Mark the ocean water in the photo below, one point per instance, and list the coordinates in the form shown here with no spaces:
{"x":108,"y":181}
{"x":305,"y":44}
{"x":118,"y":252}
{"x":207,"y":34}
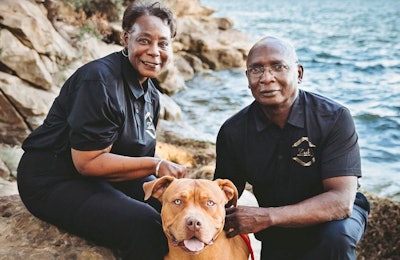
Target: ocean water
{"x":351,"y":53}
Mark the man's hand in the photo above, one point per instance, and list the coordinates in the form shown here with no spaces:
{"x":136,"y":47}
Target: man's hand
{"x":245,"y":220}
{"x":334,"y":204}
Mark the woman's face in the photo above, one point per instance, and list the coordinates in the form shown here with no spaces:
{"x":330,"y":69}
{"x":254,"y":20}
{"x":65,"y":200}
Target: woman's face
{"x":149,"y":46}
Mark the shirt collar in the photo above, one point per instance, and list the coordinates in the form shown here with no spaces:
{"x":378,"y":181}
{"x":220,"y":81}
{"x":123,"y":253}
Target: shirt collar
{"x":296,"y":115}
{"x":261,"y":121}
{"x":131,"y":78}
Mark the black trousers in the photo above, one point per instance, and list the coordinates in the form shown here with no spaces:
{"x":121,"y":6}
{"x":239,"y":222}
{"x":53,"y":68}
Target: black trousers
{"x":110,"y":214}
{"x":335,"y":240}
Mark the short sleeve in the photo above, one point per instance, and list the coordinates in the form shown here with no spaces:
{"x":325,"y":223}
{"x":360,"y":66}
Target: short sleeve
{"x":227,"y":164}
{"x":340,"y":154}
{"x":94,"y":120}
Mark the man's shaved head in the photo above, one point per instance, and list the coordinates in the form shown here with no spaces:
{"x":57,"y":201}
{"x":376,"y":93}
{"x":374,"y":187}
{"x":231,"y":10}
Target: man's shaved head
{"x":286,"y":47}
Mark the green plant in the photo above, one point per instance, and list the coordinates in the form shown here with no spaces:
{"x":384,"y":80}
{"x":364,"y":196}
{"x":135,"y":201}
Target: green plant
{"x":89,"y":27}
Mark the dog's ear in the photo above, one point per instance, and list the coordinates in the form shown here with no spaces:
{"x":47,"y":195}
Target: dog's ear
{"x":230,"y":190}
{"x":157,"y":187}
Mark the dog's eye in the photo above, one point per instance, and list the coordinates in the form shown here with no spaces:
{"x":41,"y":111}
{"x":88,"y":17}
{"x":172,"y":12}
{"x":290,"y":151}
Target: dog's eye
{"x":177,"y":202}
{"x":210,"y":203}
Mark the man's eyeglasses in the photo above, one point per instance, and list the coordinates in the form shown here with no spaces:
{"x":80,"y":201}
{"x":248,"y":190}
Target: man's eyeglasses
{"x":275,"y":70}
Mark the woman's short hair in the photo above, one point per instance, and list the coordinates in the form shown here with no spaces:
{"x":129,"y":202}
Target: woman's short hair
{"x":135,"y":10}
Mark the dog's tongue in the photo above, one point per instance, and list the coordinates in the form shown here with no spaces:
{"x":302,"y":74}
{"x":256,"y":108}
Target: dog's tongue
{"x":193,"y":244}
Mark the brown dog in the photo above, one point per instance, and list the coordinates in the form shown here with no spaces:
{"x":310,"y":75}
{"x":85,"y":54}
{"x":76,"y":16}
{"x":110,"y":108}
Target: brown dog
{"x":193,"y":216}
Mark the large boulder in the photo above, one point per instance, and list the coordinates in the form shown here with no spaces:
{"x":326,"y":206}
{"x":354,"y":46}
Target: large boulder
{"x":214,"y":41}
{"x":27,"y":21}
{"x":27,"y":102}
{"x":25,"y":61}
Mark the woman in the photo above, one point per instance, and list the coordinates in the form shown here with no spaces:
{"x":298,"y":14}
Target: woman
{"x":83,"y":169}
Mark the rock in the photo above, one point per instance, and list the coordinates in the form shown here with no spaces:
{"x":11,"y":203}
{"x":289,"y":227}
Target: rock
{"x":170,"y":80}
{"x":175,"y":154}
{"x":23,"y":236}
{"x":12,"y":126}
{"x":188,"y":8}
{"x":217,"y":48}
{"x":96,"y":50}
{"x":169,"y":109}
{"x":179,"y":132}
{"x":9,"y":157}
{"x":381,"y":239}
{"x":8,"y":188}
{"x":24,"y":61}
{"x":29,"y":102}
{"x":4,"y":173}
{"x":23,"y":108}
{"x":184,"y":145}
{"x":30,"y":25}
{"x":188,"y":64}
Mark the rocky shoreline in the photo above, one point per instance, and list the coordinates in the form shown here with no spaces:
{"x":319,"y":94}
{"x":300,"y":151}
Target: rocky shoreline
{"x":24,"y":236}
{"x":41,"y":44}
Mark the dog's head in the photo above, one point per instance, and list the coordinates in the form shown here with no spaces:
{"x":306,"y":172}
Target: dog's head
{"x":193,"y":210}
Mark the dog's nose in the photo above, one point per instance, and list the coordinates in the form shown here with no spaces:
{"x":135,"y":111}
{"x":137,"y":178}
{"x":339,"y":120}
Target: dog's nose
{"x":193,"y":223}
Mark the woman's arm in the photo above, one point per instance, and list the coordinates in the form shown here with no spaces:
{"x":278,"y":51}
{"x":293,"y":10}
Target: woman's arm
{"x":114,"y":167}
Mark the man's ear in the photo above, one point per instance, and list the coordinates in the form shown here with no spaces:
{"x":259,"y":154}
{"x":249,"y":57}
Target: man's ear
{"x":248,"y":79}
{"x":230,"y":191}
{"x":157,"y":187}
{"x":300,"y":73}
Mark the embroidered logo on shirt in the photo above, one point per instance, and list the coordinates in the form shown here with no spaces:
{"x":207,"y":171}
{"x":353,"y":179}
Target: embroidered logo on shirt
{"x":150,"y":129}
{"x":304,"y":152}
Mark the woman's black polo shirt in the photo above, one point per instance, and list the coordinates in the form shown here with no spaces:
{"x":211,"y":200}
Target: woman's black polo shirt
{"x":286,"y":166}
{"x":102,"y":103}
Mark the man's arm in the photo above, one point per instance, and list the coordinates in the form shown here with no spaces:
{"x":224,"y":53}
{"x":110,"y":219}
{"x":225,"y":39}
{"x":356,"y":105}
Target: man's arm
{"x":335,"y":203}
{"x":228,"y":166}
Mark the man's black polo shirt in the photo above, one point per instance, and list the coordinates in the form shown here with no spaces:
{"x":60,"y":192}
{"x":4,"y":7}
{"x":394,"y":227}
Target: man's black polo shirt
{"x":287,"y":165}
{"x":102,"y":103}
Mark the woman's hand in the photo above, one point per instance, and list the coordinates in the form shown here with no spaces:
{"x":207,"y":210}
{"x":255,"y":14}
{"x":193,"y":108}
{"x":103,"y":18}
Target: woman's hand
{"x":168,"y":168}
{"x":116,"y":167}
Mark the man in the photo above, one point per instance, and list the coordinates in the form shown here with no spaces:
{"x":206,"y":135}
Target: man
{"x":299,"y":152}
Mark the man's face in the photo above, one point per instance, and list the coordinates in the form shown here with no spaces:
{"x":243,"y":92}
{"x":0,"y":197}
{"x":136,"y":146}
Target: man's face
{"x":149,"y":46}
{"x":272,"y":74}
